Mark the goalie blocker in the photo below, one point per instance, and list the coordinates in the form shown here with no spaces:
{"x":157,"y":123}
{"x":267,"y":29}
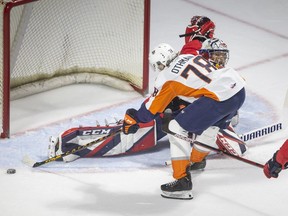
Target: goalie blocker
{"x":145,"y":138}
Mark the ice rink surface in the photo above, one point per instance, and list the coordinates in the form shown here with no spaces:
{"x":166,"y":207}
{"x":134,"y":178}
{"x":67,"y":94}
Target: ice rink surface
{"x":256,"y":34}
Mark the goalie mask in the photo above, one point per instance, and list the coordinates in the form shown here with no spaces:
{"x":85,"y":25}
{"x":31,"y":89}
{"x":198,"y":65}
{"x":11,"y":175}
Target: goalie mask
{"x":216,"y":51}
{"x":161,"y":56}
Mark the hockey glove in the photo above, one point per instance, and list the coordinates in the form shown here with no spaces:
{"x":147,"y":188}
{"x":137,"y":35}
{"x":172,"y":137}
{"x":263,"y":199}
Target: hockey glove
{"x":272,"y":168}
{"x":130,"y":124}
{"x":200,"y":28}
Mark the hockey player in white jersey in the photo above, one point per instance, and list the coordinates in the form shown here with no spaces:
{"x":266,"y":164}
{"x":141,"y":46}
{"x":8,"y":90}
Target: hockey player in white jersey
{"x":149,"y":133}
{"x":215,"y":92}
{"x":121,"y":144}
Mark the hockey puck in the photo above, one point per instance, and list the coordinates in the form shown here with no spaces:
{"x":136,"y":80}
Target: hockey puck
{"x":11,"y":171}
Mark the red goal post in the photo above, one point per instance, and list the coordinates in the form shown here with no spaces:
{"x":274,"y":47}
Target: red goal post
{"x":50,"y":43}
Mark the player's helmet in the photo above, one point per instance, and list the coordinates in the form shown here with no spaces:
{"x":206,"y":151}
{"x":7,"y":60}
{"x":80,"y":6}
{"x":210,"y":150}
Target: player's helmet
{"x":216,"y":51}
{"x":200,"y":27}
{"x":161,"y":56}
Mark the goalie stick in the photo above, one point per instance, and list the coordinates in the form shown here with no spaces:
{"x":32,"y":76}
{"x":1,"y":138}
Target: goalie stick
{"x":166,"y":130}
{"x":28,"y":161}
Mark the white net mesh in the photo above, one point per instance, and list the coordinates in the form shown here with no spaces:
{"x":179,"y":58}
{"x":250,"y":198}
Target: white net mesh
{"x":59,"y":37}
{"x":52,"y":38}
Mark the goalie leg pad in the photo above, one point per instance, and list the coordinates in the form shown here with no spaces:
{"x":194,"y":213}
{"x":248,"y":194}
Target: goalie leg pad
{"x":229,"y":141}
{"x":53,"y":146}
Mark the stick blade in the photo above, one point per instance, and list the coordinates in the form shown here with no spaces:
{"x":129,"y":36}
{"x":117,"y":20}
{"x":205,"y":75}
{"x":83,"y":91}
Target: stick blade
{"x":28,"y":161}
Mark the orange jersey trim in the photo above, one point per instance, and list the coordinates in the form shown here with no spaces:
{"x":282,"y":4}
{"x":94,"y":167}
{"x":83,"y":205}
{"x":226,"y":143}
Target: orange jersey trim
{"x":171,"y":89}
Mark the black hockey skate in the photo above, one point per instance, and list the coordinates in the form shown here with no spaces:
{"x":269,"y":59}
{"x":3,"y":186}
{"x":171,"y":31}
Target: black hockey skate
{"x":198,"y":165}
{"x":178,"y":189}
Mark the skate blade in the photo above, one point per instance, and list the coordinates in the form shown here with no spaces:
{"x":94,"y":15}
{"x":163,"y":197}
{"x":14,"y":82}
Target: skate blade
{"x":182,"y":195}
{"x":197,"y":171}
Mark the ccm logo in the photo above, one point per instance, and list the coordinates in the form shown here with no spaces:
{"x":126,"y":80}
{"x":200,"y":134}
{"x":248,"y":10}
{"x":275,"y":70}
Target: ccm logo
{"x":226,"y":145}
{"x":96,"y":132}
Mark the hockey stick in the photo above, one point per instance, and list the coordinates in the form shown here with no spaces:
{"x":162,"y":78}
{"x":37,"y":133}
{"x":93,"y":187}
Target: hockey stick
{"x":33,"y":164}
{"x":166,"y":130}
{"x":260,"y":132}
{"x":188,"y":34}
{"x":254,"y":134}
{"x":257,"y":133}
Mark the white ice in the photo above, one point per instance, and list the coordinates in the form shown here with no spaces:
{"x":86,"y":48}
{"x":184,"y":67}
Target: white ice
{"x":257,"y":35}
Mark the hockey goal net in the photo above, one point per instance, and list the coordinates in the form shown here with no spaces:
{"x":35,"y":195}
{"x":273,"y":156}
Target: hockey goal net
{"x":50,"y":43}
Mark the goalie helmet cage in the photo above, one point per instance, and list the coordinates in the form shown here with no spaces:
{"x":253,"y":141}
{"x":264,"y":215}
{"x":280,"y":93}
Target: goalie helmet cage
{"x":50,"y":39}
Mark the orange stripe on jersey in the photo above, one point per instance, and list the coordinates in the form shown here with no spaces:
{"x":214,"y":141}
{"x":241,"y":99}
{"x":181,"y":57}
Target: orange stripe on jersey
{"x":171,"y":89}
{"x":162,"y":99}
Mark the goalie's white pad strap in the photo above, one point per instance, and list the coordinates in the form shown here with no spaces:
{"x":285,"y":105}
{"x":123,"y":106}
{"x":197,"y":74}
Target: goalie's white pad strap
{"x":225,"y":139}
{"x":52,"y":146}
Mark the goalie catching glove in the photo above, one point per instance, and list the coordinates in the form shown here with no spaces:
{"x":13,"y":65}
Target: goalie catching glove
{"x":130,"y":124}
